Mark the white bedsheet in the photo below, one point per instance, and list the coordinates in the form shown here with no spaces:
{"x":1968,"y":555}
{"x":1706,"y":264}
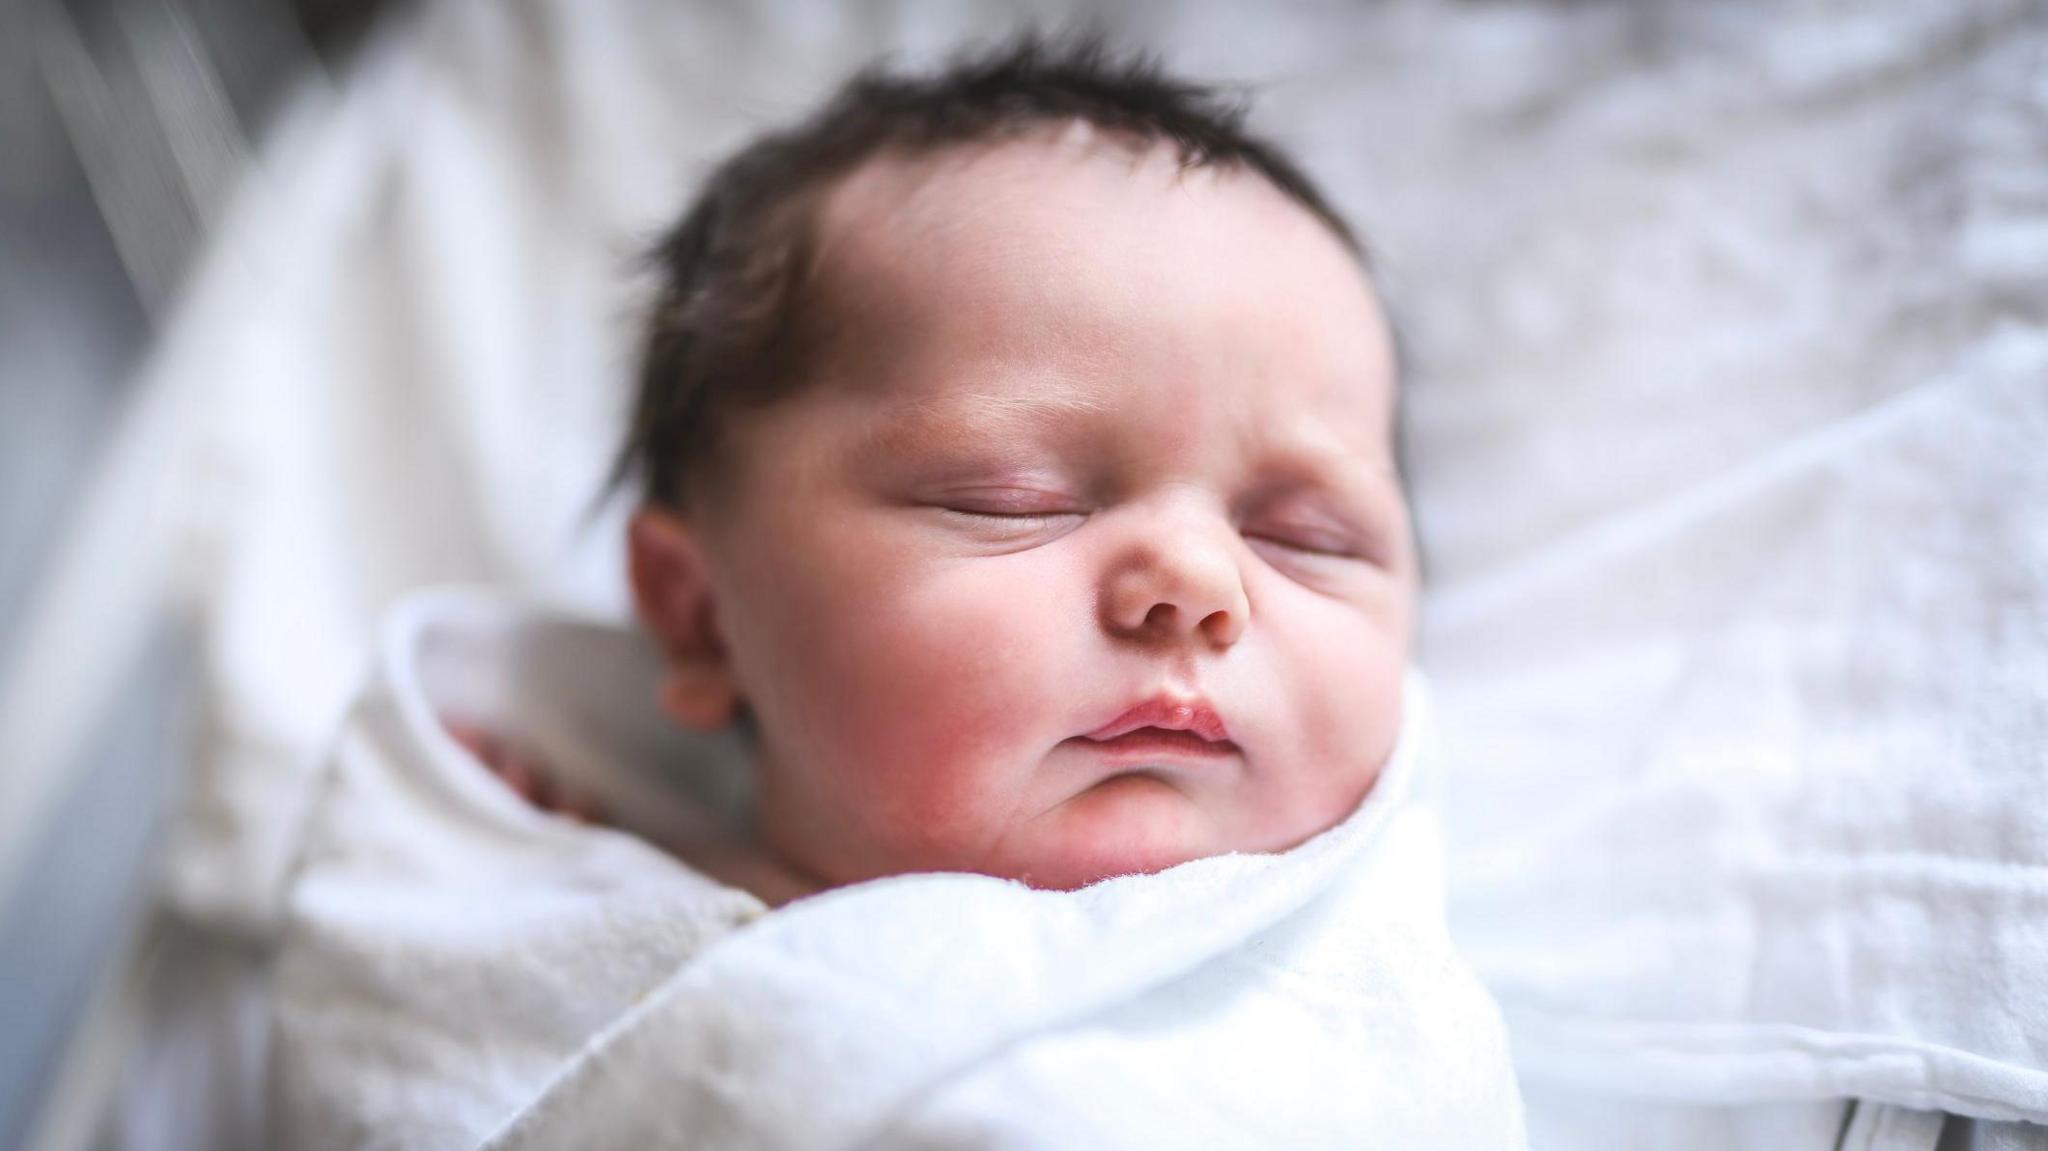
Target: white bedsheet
{"x":1727,"y":324}
{"x":1808,"y":857}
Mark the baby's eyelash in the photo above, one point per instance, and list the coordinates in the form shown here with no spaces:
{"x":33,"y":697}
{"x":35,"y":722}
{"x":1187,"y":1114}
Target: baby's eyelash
{"x":1308,"y":543}
{"x":1006,"y":503}
{"x":1366,"y":542}
{"x":1004,"y":517}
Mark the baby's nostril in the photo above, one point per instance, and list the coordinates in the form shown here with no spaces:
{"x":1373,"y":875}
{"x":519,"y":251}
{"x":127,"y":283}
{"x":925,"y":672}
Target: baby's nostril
{"x":1161,"y":617}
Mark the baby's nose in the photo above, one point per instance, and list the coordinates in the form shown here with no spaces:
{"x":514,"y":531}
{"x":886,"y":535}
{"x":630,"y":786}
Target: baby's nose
{"x":1178,"y":580}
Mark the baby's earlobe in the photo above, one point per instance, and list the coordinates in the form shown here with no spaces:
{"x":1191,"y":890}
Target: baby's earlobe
{"x":699,"y":698}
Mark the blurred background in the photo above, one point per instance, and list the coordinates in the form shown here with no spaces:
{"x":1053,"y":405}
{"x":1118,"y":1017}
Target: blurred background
{"x":125,"y":126}
{"x":1729,"y":328}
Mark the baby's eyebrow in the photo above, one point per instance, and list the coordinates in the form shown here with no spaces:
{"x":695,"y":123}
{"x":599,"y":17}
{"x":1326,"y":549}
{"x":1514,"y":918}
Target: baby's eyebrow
{"x":1006,"y":420}
{"x":1319,"y":455}
{"x":999,"y":407}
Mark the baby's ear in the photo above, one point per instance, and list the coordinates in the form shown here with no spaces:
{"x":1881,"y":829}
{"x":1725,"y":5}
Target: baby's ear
{"x":672,"y":594}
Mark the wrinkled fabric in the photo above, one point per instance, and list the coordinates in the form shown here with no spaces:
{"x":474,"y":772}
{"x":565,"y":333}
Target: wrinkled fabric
{"x":1723,"y":323}
{"x":456,"y":964}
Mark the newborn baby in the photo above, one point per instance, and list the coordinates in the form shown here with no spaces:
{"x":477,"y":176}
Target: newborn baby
{"x":1017,"y":455}
{"x":1020,"y":467}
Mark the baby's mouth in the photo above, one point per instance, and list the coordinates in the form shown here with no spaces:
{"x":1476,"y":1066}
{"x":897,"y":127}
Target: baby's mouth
{"x":1169,"y":728}
{"x":1149,"y":744}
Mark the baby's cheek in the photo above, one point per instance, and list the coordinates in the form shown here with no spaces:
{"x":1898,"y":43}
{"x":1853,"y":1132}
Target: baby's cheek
{"x":957,"y":708}
{"x":1347,"y":699}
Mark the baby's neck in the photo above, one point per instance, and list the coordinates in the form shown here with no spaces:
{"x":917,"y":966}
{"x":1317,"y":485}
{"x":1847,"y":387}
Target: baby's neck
{"x":751,"y":869}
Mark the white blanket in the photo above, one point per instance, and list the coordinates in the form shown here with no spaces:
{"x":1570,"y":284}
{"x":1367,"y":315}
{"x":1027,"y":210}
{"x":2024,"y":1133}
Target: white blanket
{"x":457,"y":966}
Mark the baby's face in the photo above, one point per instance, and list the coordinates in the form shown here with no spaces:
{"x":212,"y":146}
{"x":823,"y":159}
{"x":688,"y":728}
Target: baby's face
{"x":1086,"y":554}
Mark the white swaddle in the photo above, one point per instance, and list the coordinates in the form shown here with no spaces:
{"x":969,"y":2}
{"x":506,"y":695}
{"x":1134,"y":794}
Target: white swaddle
{"x":458,"y":966}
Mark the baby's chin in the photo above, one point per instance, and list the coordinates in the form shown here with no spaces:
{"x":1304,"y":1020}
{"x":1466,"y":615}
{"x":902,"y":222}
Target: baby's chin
{"x":1130,"y":824}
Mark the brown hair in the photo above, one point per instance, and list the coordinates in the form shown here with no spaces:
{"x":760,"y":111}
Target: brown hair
{"x":728,"y":327}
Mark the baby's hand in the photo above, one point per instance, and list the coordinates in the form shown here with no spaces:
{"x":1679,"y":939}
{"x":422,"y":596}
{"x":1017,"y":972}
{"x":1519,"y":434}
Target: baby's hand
{"x":531,"y":780}
{"x":734,"y":864}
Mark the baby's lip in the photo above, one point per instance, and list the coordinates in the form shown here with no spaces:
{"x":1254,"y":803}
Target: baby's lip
{"x":1188,"y":713}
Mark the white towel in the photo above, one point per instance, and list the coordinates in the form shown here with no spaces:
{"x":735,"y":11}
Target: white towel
{"x":456,"y":964}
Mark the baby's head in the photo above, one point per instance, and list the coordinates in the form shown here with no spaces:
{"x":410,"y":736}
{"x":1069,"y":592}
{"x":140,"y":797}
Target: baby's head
{"x":1018,"y":450}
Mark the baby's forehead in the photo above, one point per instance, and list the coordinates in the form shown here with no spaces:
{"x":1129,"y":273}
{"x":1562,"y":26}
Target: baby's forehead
{"x":1089,"y":237}
{"x":1046,"y":282}
{"x":1066,"y":192}
{"x":1075,"y":172}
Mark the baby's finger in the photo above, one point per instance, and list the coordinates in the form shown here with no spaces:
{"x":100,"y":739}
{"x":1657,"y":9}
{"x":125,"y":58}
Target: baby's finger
{"x":520,"y":775}
{"x":477,"y":741}
{"x":580,"y":806}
